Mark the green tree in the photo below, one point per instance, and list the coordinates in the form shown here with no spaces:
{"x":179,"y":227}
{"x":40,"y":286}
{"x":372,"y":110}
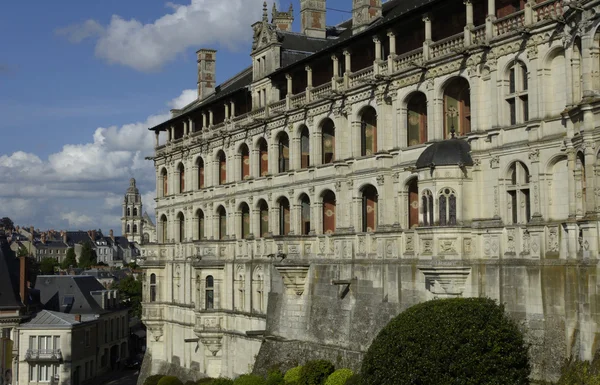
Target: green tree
{"x":22,"y":252}
{"x":87,"y":258}
{"x":47,"y":266}
{"x":70,"y":260}
{"x":130,"y":291}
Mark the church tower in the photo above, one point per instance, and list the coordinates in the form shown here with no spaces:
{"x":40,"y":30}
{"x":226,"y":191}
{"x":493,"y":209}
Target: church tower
{"x":131,"y":222}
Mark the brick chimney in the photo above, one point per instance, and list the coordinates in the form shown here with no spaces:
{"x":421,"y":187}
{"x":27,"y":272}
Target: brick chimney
{"x":23,"y":279}
{"x":282,"y":20}
{"x":31,"y":233}
{"x":207,"y":59}
{"x":312,"y":18}
{"x":364,"y":12}
{"x":112,"y":235}
{"x":63,"y":234}
{"x":94,"y":235}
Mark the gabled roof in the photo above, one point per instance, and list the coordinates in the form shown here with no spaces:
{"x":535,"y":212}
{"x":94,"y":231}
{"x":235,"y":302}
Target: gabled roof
{"x":9,"y":277}
{"x":147,"y":218}
{"x":69,"y":293}
{"x":47,"y":319}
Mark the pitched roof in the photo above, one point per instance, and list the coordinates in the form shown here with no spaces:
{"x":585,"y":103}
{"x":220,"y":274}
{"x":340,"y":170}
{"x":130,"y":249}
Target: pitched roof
{"x":9,"y":277}
{"x":69,"y":293}
{"x":48,"y":319}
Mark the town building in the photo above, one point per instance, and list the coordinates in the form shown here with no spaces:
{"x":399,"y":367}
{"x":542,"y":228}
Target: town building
{"x":422,"y":149}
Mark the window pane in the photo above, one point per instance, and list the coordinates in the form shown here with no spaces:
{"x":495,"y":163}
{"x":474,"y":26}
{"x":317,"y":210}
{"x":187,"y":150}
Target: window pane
{"x":442,"y":210}
{"x":513,"y":111}
{"x":525,"y":104}
{"x":525,"y":197}
{"x":524,"y":77}
{"x":511,"y":81}
{"x":514,"y":206}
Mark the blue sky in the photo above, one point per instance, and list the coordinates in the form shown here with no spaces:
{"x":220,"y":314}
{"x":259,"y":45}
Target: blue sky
{"x":80,"y":81}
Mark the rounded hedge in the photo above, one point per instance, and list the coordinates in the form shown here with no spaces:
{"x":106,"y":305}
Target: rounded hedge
{"x":153,"y":380}
{"x":315,"y":372}
{"x":292,"y":376}
{"x":339,"y":377}
{"x":221,"y":381}
{"x":205,"y":381}
{"x":275,"y":378}
{"x":354,"y":380}
{"x":170,"y":380}
{"x":249,"y":379}
{"x":448,"y":341}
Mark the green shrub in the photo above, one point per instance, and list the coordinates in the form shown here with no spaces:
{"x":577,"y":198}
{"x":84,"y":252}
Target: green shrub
{"x":315,"y":372}
{"x":354,"y":380}
{"x":448,"y":341}
{"x":576,"y":372}
{"x":221,"y":381}
{"x":339,"y":377}
{"x":190,"y":382}
{"x":292,"y":376}
{"x":275,"y":378}
{"x":153,"y":380}
{"x":249,"y":379}
{"x":170,"y":380}
{"x":205,"y":381}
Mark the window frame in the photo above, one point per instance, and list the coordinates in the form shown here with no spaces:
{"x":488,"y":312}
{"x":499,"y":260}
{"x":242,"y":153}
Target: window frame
{"x":517,"y":93}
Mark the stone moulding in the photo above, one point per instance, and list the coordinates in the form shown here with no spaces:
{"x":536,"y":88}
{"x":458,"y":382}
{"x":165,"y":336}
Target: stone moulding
{"x":446,"y":281}
{"x":294,"y":278}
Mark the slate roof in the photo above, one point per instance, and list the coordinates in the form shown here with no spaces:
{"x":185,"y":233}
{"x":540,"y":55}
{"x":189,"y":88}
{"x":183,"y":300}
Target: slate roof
{"x":74,"y":237}
{"x":450,"y":152}
{"x":52,"y":245}
{"x":9,"y":277}
{"x":69,"y":293}
{"x":47,"y":319}
{"x":147,"y":218}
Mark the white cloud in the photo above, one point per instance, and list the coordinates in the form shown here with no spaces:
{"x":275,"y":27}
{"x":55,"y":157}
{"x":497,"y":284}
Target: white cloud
{"x":82,"y":185}
{"x":147,"y":47}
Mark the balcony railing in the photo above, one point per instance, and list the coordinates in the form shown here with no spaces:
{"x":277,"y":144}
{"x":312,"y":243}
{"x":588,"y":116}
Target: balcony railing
{"x":43,"y":355}
{"x":448,"y":45}
{"x":298,"y":99}
{"x":358,"y":78}
{"x":409,"y":59}
{"x":510,"y":23}
{"x":548,"y":10}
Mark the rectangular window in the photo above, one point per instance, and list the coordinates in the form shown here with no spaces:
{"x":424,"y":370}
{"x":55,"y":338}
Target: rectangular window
{"x":524,"y":77}
{"x":513,"y":111}
{"x":32,"y":344}
{"x":514,"y":206}
{"x":56,"y":342}
{"x":511,"y":81}
{"x":44,"y":373}
{"x":45,"y":343}
{"x":527,"y":205}
{"x":525,"y":104}
{"x":32,"y":371}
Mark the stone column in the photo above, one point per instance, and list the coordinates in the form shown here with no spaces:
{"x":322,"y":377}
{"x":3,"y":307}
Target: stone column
{"x":309,"y":83}
{"x":316,"y":157}
{"x":348,"y":69}
{"x":210,"y":118}
{"x":392,"y":40}
{"x":204,"y":126}
{"x":232,"y":109}
{"x":489,"y":20}
{"x":172,"y":130}
{"x":377,"y":62}
{"x":192,"y":126}
{"x":335,"y":62}
{"x":469,"y":27}
{"x":185,"y":128}
{"x":226,"y":105}
{"x":428,"y":41}
{"x":289,"y":94}
{"x":156,"y":138}
{"x":316,"y":219}
{"x":571,"y":157}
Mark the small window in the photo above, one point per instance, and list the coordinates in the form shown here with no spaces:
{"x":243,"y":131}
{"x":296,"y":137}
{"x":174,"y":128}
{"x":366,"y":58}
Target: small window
{"x":284,"y":216}
{"x":210,"y":293}
{"x":368,"y":132}
{"x":304,"y":147}
{"x":328,"y":141}
{"x":329,"y":212}
{"x":447,"y":207}
{"x":427,"y":208}
{"x":153,"y":288}
{"x":284,"y":153}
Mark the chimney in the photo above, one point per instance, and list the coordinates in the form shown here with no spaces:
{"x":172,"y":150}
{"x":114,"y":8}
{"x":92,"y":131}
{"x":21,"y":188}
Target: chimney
{"x":312,"y":18}
{"x":282,"y":20}
{"x":31,"y":233}
{"x":364,"y":12}
{"x":64,"y":236}
{"x":77,"y":317}
{"x":112,"y":235}
{"x":206,"y":72}
{"x":23,"y":279}
{"x":94,"y":235}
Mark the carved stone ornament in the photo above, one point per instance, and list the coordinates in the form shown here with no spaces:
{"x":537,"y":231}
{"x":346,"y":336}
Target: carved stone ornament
{"x":294,"y":278}
{"x":445,"y":282}
{"x":495,"y":162}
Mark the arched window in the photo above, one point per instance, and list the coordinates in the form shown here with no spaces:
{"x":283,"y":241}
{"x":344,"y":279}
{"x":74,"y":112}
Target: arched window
{"x":222,"y":167}
{"x":181,"y":224}
{"x":163,"y":225}
{"x":165,"y":182}
{"x":209,"y":293}
{"x":519,"y":207}
{"x":128,"y":211}
{"x":369,"y":208}
{"x":135,"y":212}
{"x":427,"y":208}
{"x":413,"y":203}
{"x":576,"y":62}
{"x":200,"y":164}
{"x":447,"y":207}
{"x":245,"y":161}
{"x":146,"y":237}
{"x":264,"y":218}
{"x":245,"y":225}
{"x":328,"y":212}
{"x":457,"y":108}
{"x":128,"y":229}
{"x":181,"y":169}
{"x":417,"y":119}
{"x":304,"y":214}
{"x":516,"y":97}
{"x":135,"y":229}
{"x":304,"y":147}
{"x":284,"y":216}
{"x":263,"y":151}
{"x":200,"y":216}
{"x":580,"y":181}
{"x":284,"y":152}
{"x":259,"y":290}
{"x":152,"y":287}
{"x":368,"y":131}
{"x":328,"y":141}
{"x":222,"y":222}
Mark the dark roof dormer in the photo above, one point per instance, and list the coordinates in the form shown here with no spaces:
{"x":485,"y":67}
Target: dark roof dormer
{"x":450,"y":152}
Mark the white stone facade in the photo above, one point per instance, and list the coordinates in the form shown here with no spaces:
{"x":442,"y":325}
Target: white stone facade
{"x":530,"y":197}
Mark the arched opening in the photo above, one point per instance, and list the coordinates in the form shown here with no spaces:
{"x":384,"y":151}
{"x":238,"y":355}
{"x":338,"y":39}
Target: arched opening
{"x":329,"y":204}
{"x":222,"y":167}
{"x":516,"y":98}
{"x":284,"y":216}
{"x":200,"y":164}
{"x":209,"y":293}
{"x":263,"y":208}
{"x":305,"y":214}
{"x":135,"y":212}
{"x":128,"y":229}
{"x":304,"y":147}
{"x":263,"y":151}
{"x":181,"y":170}
{"x":328,"y":141}
{"x":427,"y":208}
{"x":245,"y":161}
{"x":457,"y":108}
{"x":413,"y":203}
{"x":181,"y":224}
{"x":519,"y":206}
{"x":222,"y":222}
{"x":128,"y":212}
{"x":417,"y":119}
{"x":146,"y":237}
{"x":200,"y":217}
{"x":135,"y":228}
{"x":163,"y":225}
{"x":245,"y":225}
{"x":447,"y":207}
{"x":368,"y":131}
{"x":283,"y":144}
{"x":152,"y":287}
{"x":165,"y":182}
{"x":369,"y":208}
